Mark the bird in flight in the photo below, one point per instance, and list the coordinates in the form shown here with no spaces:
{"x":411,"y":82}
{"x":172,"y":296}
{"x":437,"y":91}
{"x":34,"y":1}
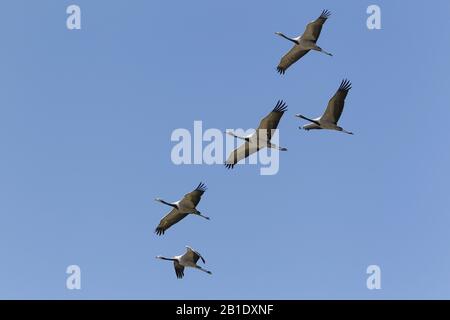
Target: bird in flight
{"x":333,"y":111}
{"x":260,"y":138}
{"x":181,"y":209}
{"x":304,"y":43}
{"x":189,"y":259}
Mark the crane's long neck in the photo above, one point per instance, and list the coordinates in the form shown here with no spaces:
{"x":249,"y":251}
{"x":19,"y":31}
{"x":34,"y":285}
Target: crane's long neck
{"x":287,"y":38}
{"x":167,"y":203}
{"x":239,"y":137}
{"x":168,"y":259}
{"x":308,"y":119}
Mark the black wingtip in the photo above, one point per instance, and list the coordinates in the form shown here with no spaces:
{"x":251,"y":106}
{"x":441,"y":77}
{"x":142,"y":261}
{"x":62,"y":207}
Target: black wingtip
{"x":281,"y":106}
{"x":159,"y":231}
{"x":346,"y":85}
{"x":325,"y":14}
{"x":281,"y":71}
{"x":201,"y":187}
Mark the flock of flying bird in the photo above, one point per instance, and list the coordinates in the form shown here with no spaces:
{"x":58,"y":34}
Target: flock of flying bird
{"x":261,"y":138}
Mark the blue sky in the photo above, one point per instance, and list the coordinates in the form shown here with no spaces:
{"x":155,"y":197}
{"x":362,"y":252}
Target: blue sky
{"x":85,"y":124}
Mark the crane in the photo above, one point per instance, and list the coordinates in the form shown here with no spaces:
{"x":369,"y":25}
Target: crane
{"x":304,"y":43}
{"x":333,"y":111}
{"x":189,"y":259}
{"x":260,"y":138}
{"x":181,"y":209}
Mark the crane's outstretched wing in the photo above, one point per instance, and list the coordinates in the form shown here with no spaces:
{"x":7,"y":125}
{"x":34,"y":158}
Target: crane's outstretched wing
{"x":242,"y":152}
{"x":194,"y":255}
{"x":194,"y":197}
{"x":169,"y":220}
{"x":313,"y":29}
{"x":290,"y":58}
{"x":336,"y":103}
{"x":270,"y":122}
{"x":179,"y":269}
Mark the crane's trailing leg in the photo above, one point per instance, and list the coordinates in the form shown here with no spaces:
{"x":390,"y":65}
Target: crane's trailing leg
{"x":200,"y":215}
{"x":323,"y":51}
{"x":274,"y":146}
{"x":345,"y":131}
{"x":204,"y":270}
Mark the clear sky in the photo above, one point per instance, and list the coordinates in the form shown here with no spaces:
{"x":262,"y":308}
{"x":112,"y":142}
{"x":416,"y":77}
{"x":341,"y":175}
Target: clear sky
{"x":85,"y":124}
